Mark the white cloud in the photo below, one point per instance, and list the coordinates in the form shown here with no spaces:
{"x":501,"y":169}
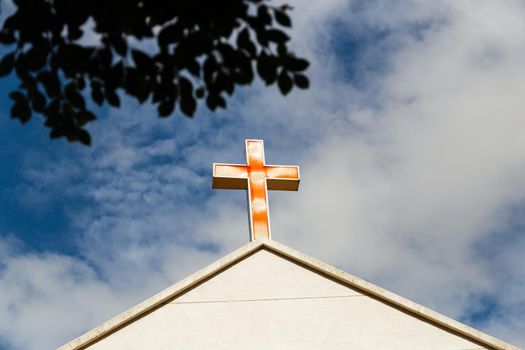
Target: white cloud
{"x":407,"y":181}
{"x":46,"y":297}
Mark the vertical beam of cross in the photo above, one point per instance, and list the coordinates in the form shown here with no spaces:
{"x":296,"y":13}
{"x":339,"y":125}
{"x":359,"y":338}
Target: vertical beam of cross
{"x":257,"y":178}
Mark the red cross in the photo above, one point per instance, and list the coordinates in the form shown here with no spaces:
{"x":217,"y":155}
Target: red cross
{"x":256,"y":177}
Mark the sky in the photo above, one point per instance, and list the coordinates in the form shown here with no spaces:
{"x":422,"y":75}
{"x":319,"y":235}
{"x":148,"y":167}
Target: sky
{"x":411,"y":143}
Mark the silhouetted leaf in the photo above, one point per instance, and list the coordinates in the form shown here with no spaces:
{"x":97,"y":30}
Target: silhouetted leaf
{"x":210,"y":66}
{"x":263,"y":15}
{"x":12,"y":22}
{"x":194,"y":67}
{"x":282,"y":51}
{"x":282,"y":18}
{"x":295,"y":64}
{"x":244,"y":42}
{"x":84,"y":137}
{"x":7,"y":63}
{"x":262,"y":37}
{"x":199,"y":93}
{"x":136,"y":85}
{"x":51,"y":110}
{"x":36,"y":57}
{"x":215,"y":100}
{"x":170,"y":34}
{"x":119,"y":43}
{"x":17,"y":96}
{"x":102,"y":57}
{"x":21,"y":68}
{"x":242,"y":77}
{"x":73,"y":58}
{"x":21,"y":110}
{"x":277,"y":36}
{"x":284,"y":82}
{"x":301,"y":81}
{"x":143,"y":62}
{"x":80,"y":82}
{"x":38,"y":101}
{"x":96,"y":93}
{"x":56,"y":133}
{"x":74,"y":33}
{"x":50,"y":82}
{"x":188,"y":104}
{"x":166,"y":107}
{"x":84,"y":117}
{"x":266,"y":68}
{"x":186,"y":87}
{"x":112,"y":98}
{"x":224,"y":83}
{"x":74,"y":97}
{"x":115,"y":75}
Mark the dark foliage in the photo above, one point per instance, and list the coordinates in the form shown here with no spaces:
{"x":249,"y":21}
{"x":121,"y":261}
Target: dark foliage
{"x":198,"y":49}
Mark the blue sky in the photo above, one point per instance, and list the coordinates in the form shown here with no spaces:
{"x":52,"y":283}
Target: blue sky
{"x":411,"y":148}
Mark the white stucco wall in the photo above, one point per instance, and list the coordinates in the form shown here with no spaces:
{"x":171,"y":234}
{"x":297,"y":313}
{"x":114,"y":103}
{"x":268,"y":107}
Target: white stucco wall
{"x":268,"y":302}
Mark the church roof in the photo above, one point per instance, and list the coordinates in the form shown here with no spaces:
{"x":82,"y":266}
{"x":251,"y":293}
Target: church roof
{"x":324,"y":269}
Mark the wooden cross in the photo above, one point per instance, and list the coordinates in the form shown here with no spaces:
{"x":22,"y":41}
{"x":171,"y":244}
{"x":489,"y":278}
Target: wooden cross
{"x":256,"y":177}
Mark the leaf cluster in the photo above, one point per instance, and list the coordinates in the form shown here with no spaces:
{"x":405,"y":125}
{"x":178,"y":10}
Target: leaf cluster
{"x":197,"y":50}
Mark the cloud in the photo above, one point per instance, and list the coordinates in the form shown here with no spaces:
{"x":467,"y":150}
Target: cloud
{"x":44,"y":293}
{"x":411,"y":166}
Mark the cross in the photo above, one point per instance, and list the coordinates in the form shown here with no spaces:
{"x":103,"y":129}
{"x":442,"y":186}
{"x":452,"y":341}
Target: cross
{"x":256,"y":177}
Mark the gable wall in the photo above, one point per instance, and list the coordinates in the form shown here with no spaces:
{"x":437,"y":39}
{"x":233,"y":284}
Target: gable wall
{"x":268,"y":302}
